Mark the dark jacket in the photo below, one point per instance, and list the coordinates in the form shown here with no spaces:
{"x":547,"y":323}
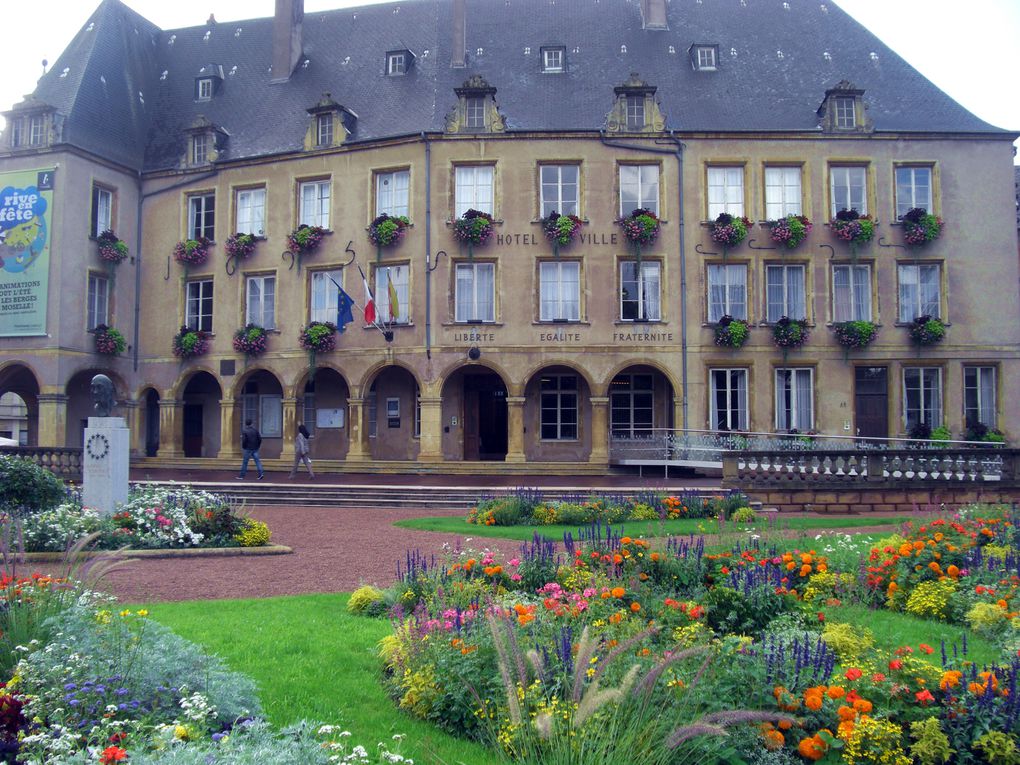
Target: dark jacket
{"x":250,"y":438}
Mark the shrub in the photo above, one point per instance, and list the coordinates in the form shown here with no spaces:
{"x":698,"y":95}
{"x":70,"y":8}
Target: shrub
{"x":849,"y":642}
{"x":743,"y":515}
{"x":57,"y":529}
{"x":253,"y":533}
{"x":930,"y":599}
{"x":366,"y":599}
{"x":26,"y":488}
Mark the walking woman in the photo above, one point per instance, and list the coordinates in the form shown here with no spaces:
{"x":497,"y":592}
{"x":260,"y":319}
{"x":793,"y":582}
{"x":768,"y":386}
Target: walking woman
{"x":301,"y":449}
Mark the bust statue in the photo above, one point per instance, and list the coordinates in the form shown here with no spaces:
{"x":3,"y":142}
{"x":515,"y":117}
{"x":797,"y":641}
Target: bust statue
{"x":102,"y":395}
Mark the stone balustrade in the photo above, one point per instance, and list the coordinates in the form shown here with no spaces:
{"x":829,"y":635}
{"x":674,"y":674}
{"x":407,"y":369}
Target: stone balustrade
{"x":64,"y":461}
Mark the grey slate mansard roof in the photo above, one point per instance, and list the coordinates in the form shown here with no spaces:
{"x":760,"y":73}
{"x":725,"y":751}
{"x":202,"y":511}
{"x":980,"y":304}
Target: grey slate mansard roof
{"x":137,"y":115}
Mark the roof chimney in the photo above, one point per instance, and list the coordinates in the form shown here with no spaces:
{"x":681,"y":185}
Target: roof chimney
{"x":653,"y":14}
{"x":459,"y":56}
{"x":286,"y":38}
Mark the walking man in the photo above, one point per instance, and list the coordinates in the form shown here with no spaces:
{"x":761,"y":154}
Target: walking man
{"x":251,"y":440}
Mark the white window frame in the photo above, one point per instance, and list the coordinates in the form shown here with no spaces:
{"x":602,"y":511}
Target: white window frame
{"x":251,"y":211}
{"x":857,"y":285}
{"x":635,"y":109}
{"x":205,"y":89}
{"x":634,"y":395}
{"x":200,"y":145}
{"x":639,"y":188}
{"x":558,"y":193}
{"x":558,"y":407}
{"x":307,"y":404}
{"x":470,"y":306}
{"x":400,"y":274}
{"x":735,"y":415}
{"x":913,"y":189}
{"x":844,"y":110}
{"x":97,"y":300}
{"x":783,"y":193}
{"x":920,"y":290}
{"x":705,"y":58}
{"x":260,"y":301}
{"x":647,"y":305}
{"x":324,"y":130}
{"x":848,"y":188}
{"x":325,"y":297}
{"x":929,"y":397}
{"x":102,"y":210}
{"x":782,"y":299}
{"x":396,"y":63}
{"x":18,"y":132}
{"x":392,"y":193}
{"x":474,"y":112}
{"x":200,"y":207}
{"x":559,"y":292}
{"x":265,"y":409}
{"x":725,"y":190}
{"x":792,"y":411}
{"x":314,"y":199}
{"x":729,"y":283}
{"x":198,"y":305}
{"x":980,"y":395}
{"x":37,"y":130}
{"x":475,"y":188}
{"x":553,"y":60}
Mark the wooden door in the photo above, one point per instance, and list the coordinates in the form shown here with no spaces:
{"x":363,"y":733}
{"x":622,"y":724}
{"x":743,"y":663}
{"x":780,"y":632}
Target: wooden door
{"x":871,"y":401}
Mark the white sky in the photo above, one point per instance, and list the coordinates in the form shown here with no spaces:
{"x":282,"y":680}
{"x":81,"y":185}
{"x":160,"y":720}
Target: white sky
{"x":969,"y":48}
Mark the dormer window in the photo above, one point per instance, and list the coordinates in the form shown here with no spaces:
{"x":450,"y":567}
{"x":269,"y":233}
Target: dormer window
{"x":396,"y":63}
{"x":36,"y":130}
{"x":704,"y":57}
{"x":329,"y":124}
{"x":844,"y":113}
{"x":208,"y":82}
{"x":635,"y":112}
{"x":842,"y":109}
{"x":324,"y":129}
{"x":205,"y":89}
{"x":200,"y":148}
{"x":28,"y":131}
{"x":553,"y":60}
{"x":476,"y":109}
{"x":206,"y":142}
{"x":474,"y":113}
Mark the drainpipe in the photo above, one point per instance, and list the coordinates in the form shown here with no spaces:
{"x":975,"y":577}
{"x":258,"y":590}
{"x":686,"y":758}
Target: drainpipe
{"x":428,"y":245}
{"x":679,"y":154}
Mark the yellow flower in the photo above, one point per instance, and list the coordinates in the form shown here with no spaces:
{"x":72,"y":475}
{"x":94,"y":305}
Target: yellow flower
{"x":143,"y":613}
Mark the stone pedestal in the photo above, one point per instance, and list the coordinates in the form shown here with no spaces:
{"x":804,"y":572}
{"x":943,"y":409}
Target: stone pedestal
{"x":105,"y":463}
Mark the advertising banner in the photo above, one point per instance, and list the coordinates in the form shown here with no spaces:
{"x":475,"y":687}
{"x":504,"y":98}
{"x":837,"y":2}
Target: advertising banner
{"x":26,"y":209}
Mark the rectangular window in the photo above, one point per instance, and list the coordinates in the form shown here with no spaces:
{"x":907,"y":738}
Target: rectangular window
{"x":205,"y":89}
{"x":398,"y":276}
{"x":552,"y":59}
{"x":559,"y":189}
{"x":372,"y":402}
{"x":200,"y":149}
{"x":848,"y":187}
{"x":639,"y":299}
{"x":474,"y":112}
{"x":202,"y":216}
{"x":559,"y":290}
{"x":920,"y":291}
{"x":784,"y":286}
{"x":979,"y":396}
{"x":851,"y":293}
{"x":324,"y":130}
{"x":37,"y":130}
{"x":913,"y":189}
{"x":922,"y":396}
{"x":18,"y":136}
{"x":251,"y":211}
{"x":635,"y":112}
{"x":725,"y":191}
{"x":474,"y":189}
{"x":261,"y":305}
{"x":727,"y":291}
{"x":315,"y":204}
{"x":391,"y":193}
{"x":307,"y":407}
{"x":782,"y":192}
{"x":559,"y":407}
{"x":396,"y":63}
{"x":794,"y":400}
{"x":271,"y":415}
{"x":705,"y":58}
{"x":631,"y":402}
{"x":198,"y":310}
{"x":728,"y":408}
{"x":326,"y":296}
{"x":475,"y":292}
{"x":846,"y":114}
{"x":102,"y":210}
{"x":639,"y":187}
{"x":98,"y":298}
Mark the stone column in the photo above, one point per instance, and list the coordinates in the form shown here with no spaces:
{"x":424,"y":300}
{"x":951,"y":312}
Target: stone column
{"x":599,"y":430}
{"x":289,"y":430}
{"x":358,"y":448}
{"x":134,"y":425}
{"x":230,"y":434}
{"x":171,"y":429}
{"x":515,"y":429}
{"x":52,"y":419}
{"x":431,"y":441}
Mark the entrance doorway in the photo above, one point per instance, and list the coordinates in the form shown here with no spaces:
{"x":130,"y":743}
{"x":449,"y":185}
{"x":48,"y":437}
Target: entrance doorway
{"x":485,"y":418}
{"x":871,"y":401}
{"x":151,"y":423}
{"x":192,"y":430}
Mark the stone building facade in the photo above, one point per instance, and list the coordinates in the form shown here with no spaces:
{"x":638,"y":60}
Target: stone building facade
{"x":513,"y":351}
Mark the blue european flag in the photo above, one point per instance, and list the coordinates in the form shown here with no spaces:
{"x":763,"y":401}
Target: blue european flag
{"x":344,"y":304}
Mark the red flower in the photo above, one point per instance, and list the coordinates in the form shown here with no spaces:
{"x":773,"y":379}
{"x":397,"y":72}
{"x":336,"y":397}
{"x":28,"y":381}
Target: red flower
{"x":853,"y":674}
{"x":821,"y":616}
{"x":926,"y":648}
{"x":924,"y":697}
{"x":896,"y":664}
{"x":112,"y":754}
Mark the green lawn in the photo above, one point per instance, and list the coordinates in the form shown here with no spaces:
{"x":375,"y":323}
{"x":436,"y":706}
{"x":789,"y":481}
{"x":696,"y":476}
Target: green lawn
{"x":678,"y":527}
{"x":313,"y":660}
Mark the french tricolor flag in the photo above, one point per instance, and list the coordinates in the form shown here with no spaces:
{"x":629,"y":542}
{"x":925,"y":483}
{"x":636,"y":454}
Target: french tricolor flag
{"x":369,"y":301}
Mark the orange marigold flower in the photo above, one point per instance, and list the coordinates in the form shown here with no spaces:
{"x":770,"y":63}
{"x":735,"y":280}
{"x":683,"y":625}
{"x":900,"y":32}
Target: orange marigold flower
{"x":774,"y":740}
{"x":844,"y":729}
{"x":618,"y":592}
{"x":953,"y":571}
{"x":635,"y":607}
{"x":805,"y":570}
{"x":812,"y":748}
{"x":836,"y":692}
{"x":863,"y":706}
{"x":625,"y":541}
{"x":813,"y":701}
{"x":950,"y":679}
{"x":617,"y":559}
{"x":655,"y":556}
{"x":846,"y":713}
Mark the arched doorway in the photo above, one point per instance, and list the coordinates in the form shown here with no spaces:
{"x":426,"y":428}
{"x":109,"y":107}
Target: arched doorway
{"x":323,"y":408}
{"x":640,"y":404}
{"x":475,"y":415}
{"x":261,"y":402}
{"x":393,"y":415}
{"x":557,"y":416}
{"x":200,"y":416}
{"x":19,"y":405}
{"x":150,"y":425}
